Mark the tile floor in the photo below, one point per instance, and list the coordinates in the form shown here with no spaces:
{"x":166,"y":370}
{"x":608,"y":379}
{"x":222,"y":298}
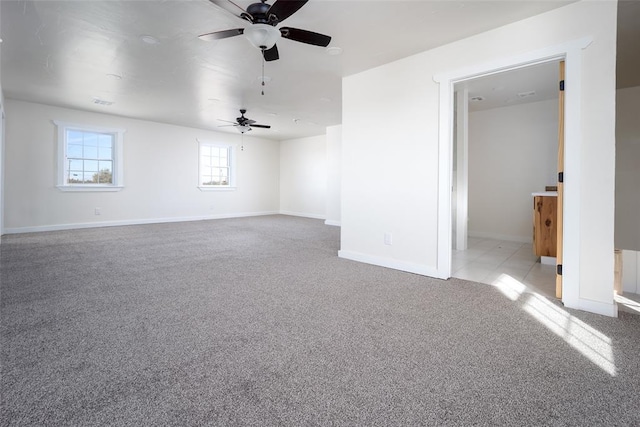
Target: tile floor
{"x":486,"y":259}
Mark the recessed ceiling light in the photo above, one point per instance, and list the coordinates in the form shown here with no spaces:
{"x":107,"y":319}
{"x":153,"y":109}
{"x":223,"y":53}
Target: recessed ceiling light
{"x":296,"y":121}
{"x":334,"y":50}
{"x":526,"y":94}
{"x":100,"y":101}
{"x":476,"y":98}
{"x":272,"y":114}
{"x":149,"y":39}
{"x":115,"y":76}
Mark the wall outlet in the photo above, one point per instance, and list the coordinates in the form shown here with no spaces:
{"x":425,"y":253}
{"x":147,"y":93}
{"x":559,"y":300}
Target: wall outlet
{"x":388,"y":238}
{"x":96,"y":211}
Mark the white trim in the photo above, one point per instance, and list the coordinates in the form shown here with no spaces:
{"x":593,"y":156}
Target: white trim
{"x":571,"y":52}
{"x":118,"y":157}
{"x":462,"y":172}
{"x":89,"y":188}
{"x":483,"y":235}
{"x":332,"y":223}
{"x":58,"y":227}
{"x":302,"y":214}
{"x":390,"y":263}
{"x":216,"y":188}
{"x":597,"y":307}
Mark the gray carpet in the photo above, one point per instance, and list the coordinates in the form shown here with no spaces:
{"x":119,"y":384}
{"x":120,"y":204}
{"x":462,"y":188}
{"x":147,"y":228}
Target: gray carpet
{"x":256,"y":322}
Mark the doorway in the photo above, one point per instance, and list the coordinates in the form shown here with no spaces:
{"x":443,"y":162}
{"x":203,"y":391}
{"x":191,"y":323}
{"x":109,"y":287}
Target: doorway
{"x":505,"y":148}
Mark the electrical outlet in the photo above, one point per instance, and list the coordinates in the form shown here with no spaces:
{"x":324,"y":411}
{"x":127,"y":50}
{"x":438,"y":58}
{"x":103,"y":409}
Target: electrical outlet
{"x":388,"y":238}
{"x":96,"y":211}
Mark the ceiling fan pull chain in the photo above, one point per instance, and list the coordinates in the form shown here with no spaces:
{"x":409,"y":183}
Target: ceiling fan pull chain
{"x":262,"y":80}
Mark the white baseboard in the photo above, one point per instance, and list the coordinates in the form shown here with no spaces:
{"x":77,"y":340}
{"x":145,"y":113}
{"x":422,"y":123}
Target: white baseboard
{"x":605,"y":309}
{"x":58,"y":227}
{"x":332,"y":222}
{"x":409,"y":267}
{"x":302,"y":214}
{"x":508,"y":238}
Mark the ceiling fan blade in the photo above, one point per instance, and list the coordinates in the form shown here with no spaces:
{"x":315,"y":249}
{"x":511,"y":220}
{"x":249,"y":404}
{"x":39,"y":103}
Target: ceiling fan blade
{"x":261,"y":126}
{"x":304,"y":36}
{"x":233,"y":8}
{"x":282,"y":9}
{"x":271,"y":54}
{"x":249,"y":121}
{"x":217,"y":35}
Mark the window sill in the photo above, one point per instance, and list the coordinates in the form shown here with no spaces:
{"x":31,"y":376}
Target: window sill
{"x":89,"y":188}
{"x":211,"y":188}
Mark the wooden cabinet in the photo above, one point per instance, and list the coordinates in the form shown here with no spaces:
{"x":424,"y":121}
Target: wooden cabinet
{"x":545,"y":212}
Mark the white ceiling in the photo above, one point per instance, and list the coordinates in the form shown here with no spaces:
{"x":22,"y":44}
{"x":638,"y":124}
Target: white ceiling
{"x":531,"y":84}
{"x":69,"y":53}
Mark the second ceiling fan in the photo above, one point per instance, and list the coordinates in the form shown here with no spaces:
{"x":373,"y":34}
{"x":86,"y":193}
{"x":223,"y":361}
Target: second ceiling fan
{"x":263,"y":33}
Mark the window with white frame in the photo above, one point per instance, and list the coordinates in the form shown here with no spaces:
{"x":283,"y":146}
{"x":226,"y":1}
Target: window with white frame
{"x":89,"y":158}
{"x":217,"y":166}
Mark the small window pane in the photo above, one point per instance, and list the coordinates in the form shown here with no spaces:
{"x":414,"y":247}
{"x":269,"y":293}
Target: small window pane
{"x":74,"y":150}
{"x":75,"y":165}
{"x":91,"y":165}
{"x":74,"y":137}
{"x":105,"y":166}
{"x":90,"y":152}
{"x":90,"y":139}
{"x":105,"y":153}
{"x":105,"y":141}
{"x":75,"y":177}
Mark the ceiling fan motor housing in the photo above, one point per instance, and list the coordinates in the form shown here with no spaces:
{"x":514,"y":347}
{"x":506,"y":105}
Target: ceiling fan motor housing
{"x":259,"y":13}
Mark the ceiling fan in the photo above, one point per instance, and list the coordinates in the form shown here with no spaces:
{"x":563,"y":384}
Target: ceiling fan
{"x":263,"y":33}
{"x":244,"y":124}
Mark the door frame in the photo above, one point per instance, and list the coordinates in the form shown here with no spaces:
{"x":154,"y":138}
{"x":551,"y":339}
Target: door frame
{"x":571,"y":53}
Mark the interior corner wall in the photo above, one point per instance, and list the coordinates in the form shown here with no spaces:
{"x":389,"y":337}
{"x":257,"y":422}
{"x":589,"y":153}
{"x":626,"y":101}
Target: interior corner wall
{"x":390,"y":171}
{"x":160,"y":174}
{"x":2,"y":156}
{"x":627,"y":225}
{"x":303,"y":177}
{"x":334,"y":173}
{"x":513,"y":152}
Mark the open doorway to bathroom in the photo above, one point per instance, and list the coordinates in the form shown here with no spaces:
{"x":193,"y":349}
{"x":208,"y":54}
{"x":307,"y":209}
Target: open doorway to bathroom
{"x":505,"y":150}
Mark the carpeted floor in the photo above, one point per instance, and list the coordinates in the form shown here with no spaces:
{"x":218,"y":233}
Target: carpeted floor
{"x":257,"y":322}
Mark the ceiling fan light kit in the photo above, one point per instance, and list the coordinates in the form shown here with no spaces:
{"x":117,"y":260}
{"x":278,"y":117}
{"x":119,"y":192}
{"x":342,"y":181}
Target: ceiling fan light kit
{"x":262,"y":36}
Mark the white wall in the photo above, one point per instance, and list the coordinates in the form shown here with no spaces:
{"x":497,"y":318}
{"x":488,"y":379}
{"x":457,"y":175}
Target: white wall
{"x":627,"y":227}
{"x":513,"y":151}
{"x":631,"y":272}
{"x":160,"y":174}
{"x":334,"y":173}
{"x":390,"y":170}
{"x":303,"y":176}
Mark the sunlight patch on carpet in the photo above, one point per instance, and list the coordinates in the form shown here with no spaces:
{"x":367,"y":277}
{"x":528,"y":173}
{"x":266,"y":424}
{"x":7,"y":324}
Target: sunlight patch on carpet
{"x":591,"y":343}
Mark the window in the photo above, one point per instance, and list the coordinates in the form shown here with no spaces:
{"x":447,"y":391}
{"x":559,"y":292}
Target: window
{"x":217,"y":166}
{"x":89,"y":158}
